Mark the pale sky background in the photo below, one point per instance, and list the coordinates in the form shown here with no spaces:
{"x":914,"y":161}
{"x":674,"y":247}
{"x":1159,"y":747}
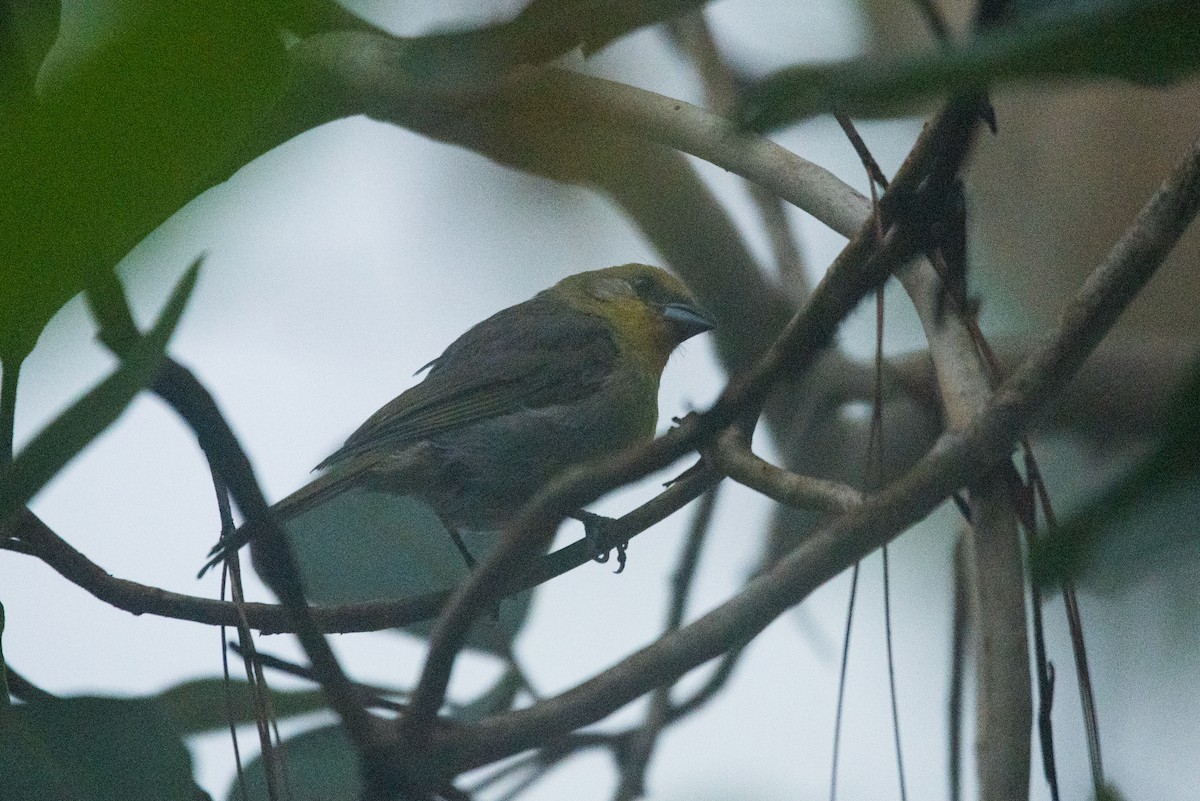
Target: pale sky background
{"x":343,"y":261}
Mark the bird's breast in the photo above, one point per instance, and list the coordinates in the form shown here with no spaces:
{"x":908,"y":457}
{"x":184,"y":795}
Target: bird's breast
{"x":492,"y":468}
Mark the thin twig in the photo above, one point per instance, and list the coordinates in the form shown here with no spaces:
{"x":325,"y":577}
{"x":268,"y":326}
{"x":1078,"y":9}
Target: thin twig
{"x":873,"y":467}
{"x":733,"y":457}
{"x":1087,"y":697}
{"x":37,"y":539}
{"x":708,"y":691}
{"x":960,"y":628}
{"x":256,"y":681}
{"x":844,"y":664}
{"x":373,"y":696}
{"x":891,"y":672}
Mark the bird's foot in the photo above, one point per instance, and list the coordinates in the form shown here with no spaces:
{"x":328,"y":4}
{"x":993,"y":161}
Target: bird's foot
{"x":597,"y":532}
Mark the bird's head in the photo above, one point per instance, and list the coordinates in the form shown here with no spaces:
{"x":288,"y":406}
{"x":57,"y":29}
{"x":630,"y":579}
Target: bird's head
{"x":649,"y":310}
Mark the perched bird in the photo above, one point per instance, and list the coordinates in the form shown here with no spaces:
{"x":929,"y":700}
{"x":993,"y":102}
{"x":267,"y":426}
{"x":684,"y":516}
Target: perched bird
{"x":567,"y":376}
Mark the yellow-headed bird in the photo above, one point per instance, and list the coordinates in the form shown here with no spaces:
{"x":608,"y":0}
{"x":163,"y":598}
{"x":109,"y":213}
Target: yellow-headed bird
{"x":567,"y":376}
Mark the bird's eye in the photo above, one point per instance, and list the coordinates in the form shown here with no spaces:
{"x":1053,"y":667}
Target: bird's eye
{"x":642,"y":284}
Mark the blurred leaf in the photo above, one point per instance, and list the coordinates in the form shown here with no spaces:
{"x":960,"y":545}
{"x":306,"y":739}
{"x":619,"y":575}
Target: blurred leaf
{"x":93,"y":749}
{"x":1146,"y":41}
{"x":462,"y":61}
{"x":27,"y":28}
{"x":496,"y":700}
{"x":592,"y":24}
{"x":1169,"y":474}
{"x":1108,"y":793}
{"x":69,"y":433}
{"x":138,"y":103}
{"x":321,"y":764}
{"x":362,"y":546}
{"x":200,"y":705}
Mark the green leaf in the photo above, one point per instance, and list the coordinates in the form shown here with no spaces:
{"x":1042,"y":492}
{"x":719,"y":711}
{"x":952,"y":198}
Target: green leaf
{"x":64,"y":437}
{"x":93,"y":749}
{"x":1156,"y":493}
{"x":139,"y":106}
{"x":1146,"y":41}
{"x":362,"y":545}
{"x":498,"y":699}
{"x":544,"y":30}
{"x":200,"y":705}
{"x":320,"y":763}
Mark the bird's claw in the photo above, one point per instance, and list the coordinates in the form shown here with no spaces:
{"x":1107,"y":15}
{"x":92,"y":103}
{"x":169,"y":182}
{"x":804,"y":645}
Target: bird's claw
{"x":595,"y":531}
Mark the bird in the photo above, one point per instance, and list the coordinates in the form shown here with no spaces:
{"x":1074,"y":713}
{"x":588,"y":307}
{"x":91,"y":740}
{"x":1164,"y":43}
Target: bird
{"x":570,"y":375}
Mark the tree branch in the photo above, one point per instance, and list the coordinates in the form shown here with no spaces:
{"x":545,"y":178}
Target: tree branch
{"x":732,"y":455}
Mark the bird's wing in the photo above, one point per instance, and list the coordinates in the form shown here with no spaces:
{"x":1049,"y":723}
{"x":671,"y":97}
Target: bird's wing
{"x":535,"y":354}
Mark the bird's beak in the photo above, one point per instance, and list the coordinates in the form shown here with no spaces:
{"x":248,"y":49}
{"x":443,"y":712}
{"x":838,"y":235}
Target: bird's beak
{"x":687,"y":319}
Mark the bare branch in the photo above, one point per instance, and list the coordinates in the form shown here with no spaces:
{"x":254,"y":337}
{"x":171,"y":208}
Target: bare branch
{"x":732,"y":456}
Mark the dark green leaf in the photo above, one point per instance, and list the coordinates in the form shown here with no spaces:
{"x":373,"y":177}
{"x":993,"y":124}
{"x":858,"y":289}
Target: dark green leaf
{"x":1147,"y":41}
{"x":200,"y":705}
{"x":71,"y":431}
{"x":361,"y":546}
{"x":321,"y":764}
{"x":139,"y":104}
{"x":496,"y":700}
{"x":93,"y":749}
{"x":1156,"y":493}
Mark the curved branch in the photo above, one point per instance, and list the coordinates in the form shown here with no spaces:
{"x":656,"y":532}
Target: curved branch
{"x":732,"y":456}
